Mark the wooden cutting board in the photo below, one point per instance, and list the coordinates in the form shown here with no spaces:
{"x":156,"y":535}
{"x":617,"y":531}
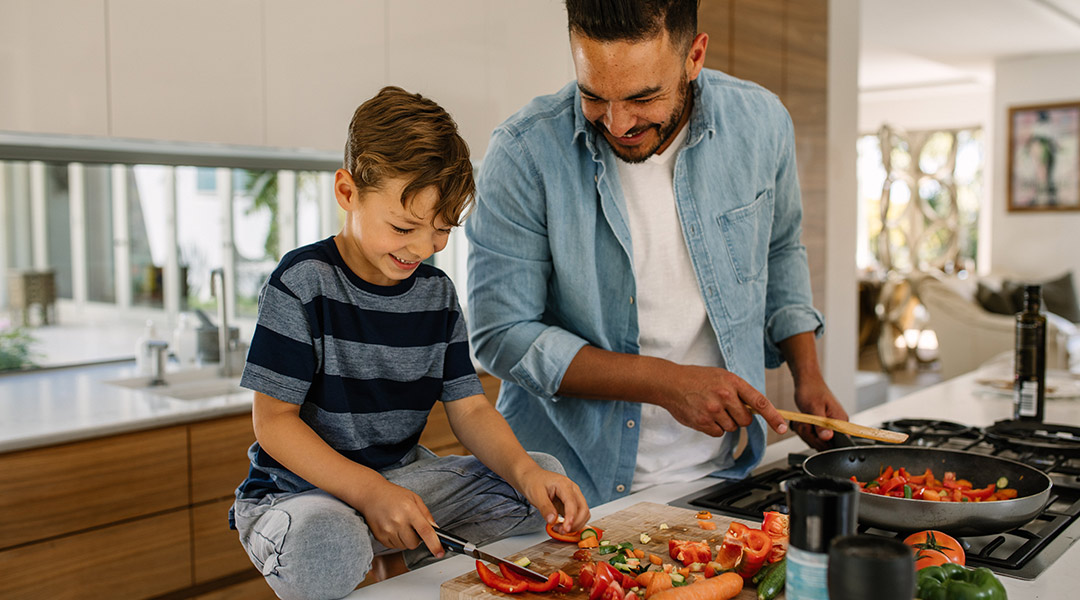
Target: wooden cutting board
{"x":626,"y":525}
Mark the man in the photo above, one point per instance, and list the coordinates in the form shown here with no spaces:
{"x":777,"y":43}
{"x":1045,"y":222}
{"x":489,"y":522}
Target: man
{"x":635,"y":261}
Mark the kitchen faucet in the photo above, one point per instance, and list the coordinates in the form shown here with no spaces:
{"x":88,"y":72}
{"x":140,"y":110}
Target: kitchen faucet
{"x":217,"y":289}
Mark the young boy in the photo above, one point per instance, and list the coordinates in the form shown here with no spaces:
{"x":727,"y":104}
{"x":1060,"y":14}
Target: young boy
{"x":356,"y":340}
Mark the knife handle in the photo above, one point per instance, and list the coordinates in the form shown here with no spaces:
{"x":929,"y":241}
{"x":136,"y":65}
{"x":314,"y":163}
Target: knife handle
{"x":450,"y":541}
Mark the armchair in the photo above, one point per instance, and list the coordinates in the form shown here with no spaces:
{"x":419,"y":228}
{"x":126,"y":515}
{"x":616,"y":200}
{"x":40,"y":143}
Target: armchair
{"x":968,"y":335}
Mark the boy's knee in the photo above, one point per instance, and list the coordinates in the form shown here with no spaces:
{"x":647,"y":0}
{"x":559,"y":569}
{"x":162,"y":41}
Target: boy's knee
{"x":548,"y":462}
{"x":322,"y":558}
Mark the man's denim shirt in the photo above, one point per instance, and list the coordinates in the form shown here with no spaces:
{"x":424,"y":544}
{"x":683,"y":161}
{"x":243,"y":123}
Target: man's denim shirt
{"x":550,"y":264}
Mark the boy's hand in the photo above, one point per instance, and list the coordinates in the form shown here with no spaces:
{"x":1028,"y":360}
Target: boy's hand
{"x":398,"y":518}
{"x":546,"y":489}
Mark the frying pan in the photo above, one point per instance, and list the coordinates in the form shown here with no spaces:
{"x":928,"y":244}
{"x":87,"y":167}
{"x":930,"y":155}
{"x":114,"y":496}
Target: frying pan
{"x":954,"y":518}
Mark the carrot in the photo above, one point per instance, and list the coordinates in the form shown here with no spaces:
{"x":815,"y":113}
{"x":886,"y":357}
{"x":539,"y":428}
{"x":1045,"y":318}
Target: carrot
{"x":639,"y":553}
{"x":706,"y":525}
{"x":644,"y":578}
{"x":589,"y":543}
{"x":722,"y":587}
{"x":656,"y":560}
{"x":658,"y":583}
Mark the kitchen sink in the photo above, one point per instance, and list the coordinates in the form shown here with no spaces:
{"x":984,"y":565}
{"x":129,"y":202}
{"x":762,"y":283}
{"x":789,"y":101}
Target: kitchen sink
{"x":197,"y":384}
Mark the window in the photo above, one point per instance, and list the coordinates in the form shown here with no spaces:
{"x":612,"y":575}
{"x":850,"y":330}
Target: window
{"x":919,"y":199}
{"x":132,"y":240}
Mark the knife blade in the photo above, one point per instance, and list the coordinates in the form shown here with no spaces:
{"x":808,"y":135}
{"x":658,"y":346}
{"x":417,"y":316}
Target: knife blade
{"x":455,"y":544}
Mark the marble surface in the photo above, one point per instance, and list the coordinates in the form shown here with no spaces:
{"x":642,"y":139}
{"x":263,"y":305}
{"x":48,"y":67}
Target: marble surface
{"x":54,"y":406}
{"x":960,"y":399}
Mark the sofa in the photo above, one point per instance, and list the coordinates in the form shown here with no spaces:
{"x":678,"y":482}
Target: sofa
{"x":970,"y":334}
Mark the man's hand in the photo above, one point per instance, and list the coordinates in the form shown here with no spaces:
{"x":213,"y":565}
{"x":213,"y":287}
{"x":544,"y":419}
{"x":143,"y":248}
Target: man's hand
{"x":713,"y":400}
{"x":398,"y":518}
{"x":549,"y":491}
{"x":813,"y":397}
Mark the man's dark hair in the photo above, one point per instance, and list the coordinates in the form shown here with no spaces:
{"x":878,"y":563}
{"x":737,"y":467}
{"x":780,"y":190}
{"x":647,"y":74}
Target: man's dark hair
{"x":634,"y":20}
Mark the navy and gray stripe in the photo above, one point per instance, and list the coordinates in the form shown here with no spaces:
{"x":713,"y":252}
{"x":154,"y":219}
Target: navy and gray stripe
{"x":365,"y":362}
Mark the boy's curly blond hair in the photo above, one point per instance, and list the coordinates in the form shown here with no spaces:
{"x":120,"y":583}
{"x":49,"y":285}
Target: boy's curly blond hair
{"x":397,"y":134}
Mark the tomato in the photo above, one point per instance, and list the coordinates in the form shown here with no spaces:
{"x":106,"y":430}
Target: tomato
{"x":689,"y":553}
{"x":497,"y":582}
{"x":586,"y":576}
{"x":573,"y":536}
{"x":606,"y":575}
{"x":613,"y":592}
{"x":583,"y":555}
{"x":934,"y":548}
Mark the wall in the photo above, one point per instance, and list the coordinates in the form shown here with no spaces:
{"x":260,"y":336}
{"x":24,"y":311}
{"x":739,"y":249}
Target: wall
{"x":914,"y":109}
{"x":1037,"y":244}
{"x":269,"y":72}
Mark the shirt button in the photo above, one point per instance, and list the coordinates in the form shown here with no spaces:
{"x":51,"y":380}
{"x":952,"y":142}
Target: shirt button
{"x":631,"y":299}
{"x":620,"y":488}
{"x":630,"y":424}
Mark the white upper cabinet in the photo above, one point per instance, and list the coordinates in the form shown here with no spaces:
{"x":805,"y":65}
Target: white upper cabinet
{"x":52,"y":67}
{"x":529,"y":52}
{"x":190,"y":71}
{"x":439,"y":49}
{"x":323,"y":59}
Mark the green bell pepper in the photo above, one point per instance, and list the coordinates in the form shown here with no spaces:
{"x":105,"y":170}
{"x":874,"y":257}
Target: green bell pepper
{"x":954,"y":582}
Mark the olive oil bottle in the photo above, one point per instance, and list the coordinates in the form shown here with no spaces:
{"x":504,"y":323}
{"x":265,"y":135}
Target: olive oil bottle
{"x":1029,"y":382}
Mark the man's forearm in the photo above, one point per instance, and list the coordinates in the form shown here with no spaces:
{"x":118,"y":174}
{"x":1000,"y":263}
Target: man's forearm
{"x":800,"y":352}
{"x":605,"y":375}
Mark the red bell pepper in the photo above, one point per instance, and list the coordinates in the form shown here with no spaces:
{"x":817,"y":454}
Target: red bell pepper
{"x":756,"y":547}
{"x":981,"y":493}
{"x":533,"y":586}
{"x":689,"y":553}
{"x":497,"y":582}
{"x":778,"y":527}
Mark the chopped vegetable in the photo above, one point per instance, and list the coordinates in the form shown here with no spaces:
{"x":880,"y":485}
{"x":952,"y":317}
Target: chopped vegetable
{"x":689,"y":552}
{"x":901,"y":484}
{"x":704,"y":515}
{"x":644,"y":538}
{"x":498,"y":582}
{"x":773,"y":581}
{"x":709,"y":525}
{"x":664,"y":526}
{"x":573,"y":536}
{"x":523,"y":561}
{"x":721,"y":587}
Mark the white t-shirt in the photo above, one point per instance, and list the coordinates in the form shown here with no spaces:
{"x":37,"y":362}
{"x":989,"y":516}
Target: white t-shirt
{"x":671,"y":319}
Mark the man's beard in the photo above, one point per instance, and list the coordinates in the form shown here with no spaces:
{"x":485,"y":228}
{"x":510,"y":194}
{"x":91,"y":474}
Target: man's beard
{"x":665,"y":130}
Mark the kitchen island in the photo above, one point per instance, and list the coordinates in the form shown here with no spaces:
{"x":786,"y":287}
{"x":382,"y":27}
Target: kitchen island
{"x":961,"y":400}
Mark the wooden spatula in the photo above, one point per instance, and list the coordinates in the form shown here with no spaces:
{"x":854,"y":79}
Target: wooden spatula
{"x":873,"y":433}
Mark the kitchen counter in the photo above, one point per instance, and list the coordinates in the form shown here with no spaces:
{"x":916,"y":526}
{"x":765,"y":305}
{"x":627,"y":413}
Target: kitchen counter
{"x":959,"y":399}
{"x":55,"y":406}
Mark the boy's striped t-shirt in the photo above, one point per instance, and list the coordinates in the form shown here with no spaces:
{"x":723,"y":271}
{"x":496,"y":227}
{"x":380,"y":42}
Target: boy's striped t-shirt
{"x":366,"y":363}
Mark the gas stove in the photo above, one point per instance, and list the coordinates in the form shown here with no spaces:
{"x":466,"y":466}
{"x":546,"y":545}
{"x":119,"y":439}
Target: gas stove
{"x":1023,"y":553}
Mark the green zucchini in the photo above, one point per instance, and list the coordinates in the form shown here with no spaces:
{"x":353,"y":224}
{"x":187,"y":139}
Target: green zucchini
{"x":773,"y":581}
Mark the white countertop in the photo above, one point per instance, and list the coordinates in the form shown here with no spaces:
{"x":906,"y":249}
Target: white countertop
{"x":959,"y":400}
{"x":54,"y":406}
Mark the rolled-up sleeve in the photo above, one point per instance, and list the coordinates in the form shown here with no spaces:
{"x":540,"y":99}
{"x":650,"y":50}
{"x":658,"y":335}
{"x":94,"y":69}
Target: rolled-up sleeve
{"x":508,"y":270}
{"x":789,"y":306}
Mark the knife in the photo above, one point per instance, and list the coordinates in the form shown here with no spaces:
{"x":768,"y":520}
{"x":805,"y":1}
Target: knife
{"x":456,"y":544}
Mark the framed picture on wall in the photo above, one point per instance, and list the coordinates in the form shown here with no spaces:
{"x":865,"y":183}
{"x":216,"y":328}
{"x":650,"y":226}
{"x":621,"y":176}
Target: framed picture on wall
{"x":1044,"y":157}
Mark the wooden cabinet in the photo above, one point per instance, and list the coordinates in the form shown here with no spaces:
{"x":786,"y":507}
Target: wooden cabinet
{"x":135,"y":515}
{"x":61,"y":489}
{"x":139,"y":515}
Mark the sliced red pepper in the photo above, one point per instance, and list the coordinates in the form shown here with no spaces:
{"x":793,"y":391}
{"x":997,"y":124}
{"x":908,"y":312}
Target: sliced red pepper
{"x":605,"y":576}
{"x":732,"y":548}
{"x":573,"y":536}
{"x":712,"y":568}
{"x":892,"y":483}
{"x":981,"y":494}
{"x":613,"y":592}
{"x":497,"y":582}
{"x":756,"y":547}
{"x":566,"y":582}
{"x":534,"y":586}
{"x":689,"y":553}
{"x":778,"y":527}
{"x":950,"y":480}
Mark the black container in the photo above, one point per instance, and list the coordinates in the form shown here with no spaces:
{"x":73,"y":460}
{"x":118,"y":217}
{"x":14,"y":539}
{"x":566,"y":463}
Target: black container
{"x":821,"y":509}
{"x":863,"y":566}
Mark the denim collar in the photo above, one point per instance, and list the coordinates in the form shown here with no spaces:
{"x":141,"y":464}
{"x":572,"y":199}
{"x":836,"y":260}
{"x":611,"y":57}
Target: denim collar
{"x":700,"y":123}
